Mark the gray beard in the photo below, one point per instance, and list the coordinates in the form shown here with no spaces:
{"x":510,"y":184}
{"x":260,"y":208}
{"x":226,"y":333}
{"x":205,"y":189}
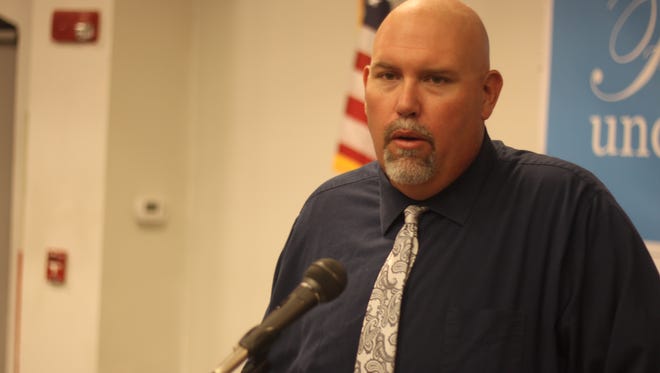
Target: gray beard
{"x":406,"y":166}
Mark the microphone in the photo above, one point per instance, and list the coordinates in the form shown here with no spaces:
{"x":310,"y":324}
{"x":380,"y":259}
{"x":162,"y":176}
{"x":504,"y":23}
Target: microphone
{"x":322,"y":282}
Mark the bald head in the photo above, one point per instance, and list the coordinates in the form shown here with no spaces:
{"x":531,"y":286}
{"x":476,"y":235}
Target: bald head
{"x":441,"y":22}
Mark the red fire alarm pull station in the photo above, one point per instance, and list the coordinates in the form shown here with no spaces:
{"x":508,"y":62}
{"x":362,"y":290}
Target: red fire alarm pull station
{"x":56,"y":266}
{"x":75,"y":27}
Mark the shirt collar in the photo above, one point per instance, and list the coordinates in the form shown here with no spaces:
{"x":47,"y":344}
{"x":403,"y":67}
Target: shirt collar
{"x":454,"y":202}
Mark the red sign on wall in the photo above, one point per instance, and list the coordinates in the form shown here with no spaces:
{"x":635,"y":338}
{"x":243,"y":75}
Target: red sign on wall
{"x":56,"y":266}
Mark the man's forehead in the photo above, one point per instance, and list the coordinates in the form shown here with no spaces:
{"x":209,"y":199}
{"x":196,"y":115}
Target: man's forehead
{"x":417,"y":47}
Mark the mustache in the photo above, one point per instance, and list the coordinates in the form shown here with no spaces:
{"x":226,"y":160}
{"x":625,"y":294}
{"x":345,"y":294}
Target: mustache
{"x":408,"y":125}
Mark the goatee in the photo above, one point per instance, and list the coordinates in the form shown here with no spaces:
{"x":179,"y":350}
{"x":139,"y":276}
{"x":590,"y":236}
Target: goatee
{"x":408,"y":166}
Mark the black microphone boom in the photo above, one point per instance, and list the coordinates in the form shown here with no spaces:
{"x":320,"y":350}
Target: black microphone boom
{"x":323,"y":281}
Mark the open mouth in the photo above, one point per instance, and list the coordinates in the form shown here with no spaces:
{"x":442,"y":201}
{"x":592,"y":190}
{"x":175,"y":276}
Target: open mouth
{"x":408,"y":138}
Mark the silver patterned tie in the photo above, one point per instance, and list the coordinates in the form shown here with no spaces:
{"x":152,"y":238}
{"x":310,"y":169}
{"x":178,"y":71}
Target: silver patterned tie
{"x":377,"y":347}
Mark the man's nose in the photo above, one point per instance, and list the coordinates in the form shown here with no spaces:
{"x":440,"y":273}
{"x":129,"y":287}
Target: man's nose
{"x":408,"y":105}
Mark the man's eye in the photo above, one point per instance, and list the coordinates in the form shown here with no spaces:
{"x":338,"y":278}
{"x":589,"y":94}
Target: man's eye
{"x":386,"y":75}
{"x":435,"y":79}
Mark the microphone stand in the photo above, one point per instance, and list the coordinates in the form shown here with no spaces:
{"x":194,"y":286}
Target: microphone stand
{"x":254,"y":345}
{"x":260,"y":366}
{"x":236,"y":358}
{"x":232,"y":361}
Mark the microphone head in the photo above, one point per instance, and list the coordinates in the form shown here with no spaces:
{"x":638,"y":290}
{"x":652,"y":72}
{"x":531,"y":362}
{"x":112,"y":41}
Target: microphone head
{"x":330,"y":275}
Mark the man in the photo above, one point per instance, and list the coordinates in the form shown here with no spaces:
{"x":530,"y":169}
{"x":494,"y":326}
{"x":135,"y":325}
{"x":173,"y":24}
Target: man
{"x":525,"y":263}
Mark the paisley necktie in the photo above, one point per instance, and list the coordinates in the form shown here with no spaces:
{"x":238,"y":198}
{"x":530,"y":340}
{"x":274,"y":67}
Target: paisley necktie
{"x":378,"y":338}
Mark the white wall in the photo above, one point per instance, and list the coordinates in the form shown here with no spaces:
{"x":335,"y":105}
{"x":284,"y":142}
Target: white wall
{"x":270,"y":82}
{"x":143,"y":266}
{"x":519,"y":42}
{"x":101,"y":131}
{"x":65,"y":155}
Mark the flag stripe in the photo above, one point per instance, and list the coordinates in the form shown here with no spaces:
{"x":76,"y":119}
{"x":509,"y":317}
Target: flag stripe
{"x":366,"y":40}
{"x":354,"y":154}
{"x":357,"y":86}
{"x":361,"y":60}
{"x":356,"y":136}
{"x":355,"y":109}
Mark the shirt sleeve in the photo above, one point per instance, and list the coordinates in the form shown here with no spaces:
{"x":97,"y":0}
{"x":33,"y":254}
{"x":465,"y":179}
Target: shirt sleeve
{"x":612,"y":319}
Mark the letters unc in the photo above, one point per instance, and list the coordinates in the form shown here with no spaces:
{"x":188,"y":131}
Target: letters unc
{"x":633,"y":143}
{"x":628,"y":123}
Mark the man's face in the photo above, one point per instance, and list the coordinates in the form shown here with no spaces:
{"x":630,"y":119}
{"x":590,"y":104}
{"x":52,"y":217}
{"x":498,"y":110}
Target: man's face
{"x":425,"y":100}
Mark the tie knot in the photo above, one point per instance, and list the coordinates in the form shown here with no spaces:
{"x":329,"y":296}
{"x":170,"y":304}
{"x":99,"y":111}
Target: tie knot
{"x":412,"y":213}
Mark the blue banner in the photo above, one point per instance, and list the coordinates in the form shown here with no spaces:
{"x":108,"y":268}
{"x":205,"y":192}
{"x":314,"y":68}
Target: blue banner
{"x":604,"y":104}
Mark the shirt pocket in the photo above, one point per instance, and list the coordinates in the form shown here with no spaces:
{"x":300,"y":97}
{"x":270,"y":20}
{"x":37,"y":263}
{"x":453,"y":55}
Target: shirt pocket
{"x":483,"y":341}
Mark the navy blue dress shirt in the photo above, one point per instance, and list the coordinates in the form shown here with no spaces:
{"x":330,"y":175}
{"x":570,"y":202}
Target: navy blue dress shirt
{"x":526,"y":264}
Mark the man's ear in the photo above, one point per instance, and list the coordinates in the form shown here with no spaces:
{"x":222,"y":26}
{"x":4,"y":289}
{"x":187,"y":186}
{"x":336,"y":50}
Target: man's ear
{"x":492,"y":86}
{"x":365,"y":77}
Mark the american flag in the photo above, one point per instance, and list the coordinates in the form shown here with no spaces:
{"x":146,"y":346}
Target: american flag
{"x":355,"y":146}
